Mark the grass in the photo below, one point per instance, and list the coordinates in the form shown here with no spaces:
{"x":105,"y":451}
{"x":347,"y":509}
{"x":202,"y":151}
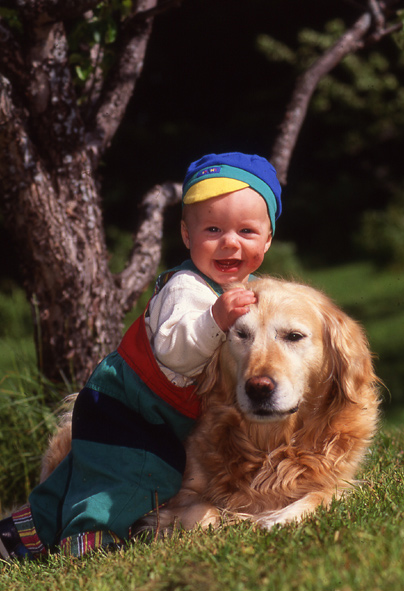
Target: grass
{"x":27,"y":410}
{"x":375,"y":298}
{"x":357,"y":544}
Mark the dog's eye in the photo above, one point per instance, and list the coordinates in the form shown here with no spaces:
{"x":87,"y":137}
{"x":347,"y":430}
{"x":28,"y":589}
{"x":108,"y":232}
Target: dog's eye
{"x":242,"y":334}
{"x":294,"y":336}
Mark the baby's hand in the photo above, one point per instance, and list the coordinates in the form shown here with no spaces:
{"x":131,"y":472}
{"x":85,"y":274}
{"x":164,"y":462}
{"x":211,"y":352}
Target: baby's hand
{"x":231,"y":305}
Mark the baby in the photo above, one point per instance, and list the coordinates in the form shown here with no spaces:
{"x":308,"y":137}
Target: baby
{"x":138,"y":406}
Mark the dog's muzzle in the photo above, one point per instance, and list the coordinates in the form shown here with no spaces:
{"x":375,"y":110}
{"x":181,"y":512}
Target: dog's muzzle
{"x":260,"y":391}
{"x":260,"y":388}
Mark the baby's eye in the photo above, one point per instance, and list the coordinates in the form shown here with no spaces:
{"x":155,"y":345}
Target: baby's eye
{"x":247,"y":231}
{"x":213,"y":229}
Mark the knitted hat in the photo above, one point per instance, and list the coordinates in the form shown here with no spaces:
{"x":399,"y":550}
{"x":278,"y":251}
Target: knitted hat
{"x":217,"y":174}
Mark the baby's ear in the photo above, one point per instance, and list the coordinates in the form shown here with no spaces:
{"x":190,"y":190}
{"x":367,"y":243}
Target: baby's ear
{"x":185,"y":233}
{"x":268,"y":242}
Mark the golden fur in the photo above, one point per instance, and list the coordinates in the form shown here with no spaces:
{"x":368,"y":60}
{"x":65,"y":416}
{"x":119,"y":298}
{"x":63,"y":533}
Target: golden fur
{"x":290,"y":404}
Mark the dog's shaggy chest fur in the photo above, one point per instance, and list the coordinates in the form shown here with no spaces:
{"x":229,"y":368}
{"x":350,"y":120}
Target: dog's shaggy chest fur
{"x":290,"y":404}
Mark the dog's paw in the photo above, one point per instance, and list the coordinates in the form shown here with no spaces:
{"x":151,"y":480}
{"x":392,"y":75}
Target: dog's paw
{"x":293,"y":512}
{"x":153,"y":525}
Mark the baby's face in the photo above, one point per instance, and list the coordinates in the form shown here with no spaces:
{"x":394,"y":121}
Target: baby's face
{"x":228,"y":235}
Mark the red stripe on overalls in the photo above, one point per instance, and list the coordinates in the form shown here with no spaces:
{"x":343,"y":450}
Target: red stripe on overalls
{"x":136,"y":351}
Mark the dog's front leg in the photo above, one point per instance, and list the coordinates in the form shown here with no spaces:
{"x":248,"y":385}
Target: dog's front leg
{"x":184,"y":511}
{"x":189,"y":509}
{"x":293,"y":512}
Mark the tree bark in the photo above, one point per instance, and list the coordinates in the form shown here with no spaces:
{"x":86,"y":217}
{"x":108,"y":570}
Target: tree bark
{"x":51,"y":202}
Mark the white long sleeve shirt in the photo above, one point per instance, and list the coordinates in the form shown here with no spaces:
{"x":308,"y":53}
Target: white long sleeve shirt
{"x":181,"y":329}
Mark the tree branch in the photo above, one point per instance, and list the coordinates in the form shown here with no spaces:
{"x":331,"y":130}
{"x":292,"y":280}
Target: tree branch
{"x":353,"y":39}
{"x":93,"y":86}
{"x":55,"y":115}
{"x":159,"y":9}
{"x":296,"y":111}
{"x":121,"y":82}
{"x":377,"y":14}
{"x":146,"y":254}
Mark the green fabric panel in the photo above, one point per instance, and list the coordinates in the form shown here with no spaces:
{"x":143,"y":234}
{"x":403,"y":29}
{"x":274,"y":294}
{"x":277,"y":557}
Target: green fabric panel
{"x":114,"y":377}
{"x":119,"y":485}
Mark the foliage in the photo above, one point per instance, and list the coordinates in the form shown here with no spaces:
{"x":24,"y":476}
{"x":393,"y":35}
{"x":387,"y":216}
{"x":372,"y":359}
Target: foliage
{"x":382,"y":235}
{"x":120,"y":244}
{"x":15,"y":313}
{"x":356,"y":129}
{"x":362,"y":83}
{"x":282,"y":259}
{"x":11,"y":17}
{"x":356,"y":545}
{"x":374,"y":297}
{"x":99,"y":32}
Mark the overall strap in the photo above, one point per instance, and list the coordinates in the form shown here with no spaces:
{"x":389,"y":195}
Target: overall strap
{"x":188,"y":265}
{"x":136,"y":351}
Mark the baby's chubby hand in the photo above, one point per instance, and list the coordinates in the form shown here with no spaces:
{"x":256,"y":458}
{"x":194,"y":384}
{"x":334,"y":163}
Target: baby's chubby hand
{"x":231,"y":305}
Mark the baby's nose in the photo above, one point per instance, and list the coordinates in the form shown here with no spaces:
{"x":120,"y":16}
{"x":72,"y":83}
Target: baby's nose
{"x":230,"y":240}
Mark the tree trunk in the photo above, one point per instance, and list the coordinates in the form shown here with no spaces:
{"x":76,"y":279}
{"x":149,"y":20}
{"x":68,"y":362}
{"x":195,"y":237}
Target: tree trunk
{"x":55,"y":217}
{"x":51,"y":203}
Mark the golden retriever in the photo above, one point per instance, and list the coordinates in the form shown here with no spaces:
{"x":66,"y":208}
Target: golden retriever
{"x":290,"y":405}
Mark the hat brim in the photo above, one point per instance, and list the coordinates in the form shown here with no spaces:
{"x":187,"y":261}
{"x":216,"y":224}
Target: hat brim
{"x":213,"y":187}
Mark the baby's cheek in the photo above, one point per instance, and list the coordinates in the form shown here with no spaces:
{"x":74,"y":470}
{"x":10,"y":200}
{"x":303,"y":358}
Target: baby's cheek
{"x":258,"y":257}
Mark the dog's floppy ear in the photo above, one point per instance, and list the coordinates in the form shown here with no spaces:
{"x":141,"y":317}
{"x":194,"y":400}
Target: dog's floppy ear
{"x":351,"y":369}
{"x":211,"y":376}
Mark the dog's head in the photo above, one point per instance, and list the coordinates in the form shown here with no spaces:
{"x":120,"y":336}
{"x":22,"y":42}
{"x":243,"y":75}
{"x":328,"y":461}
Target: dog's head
{"x":293,"y":350}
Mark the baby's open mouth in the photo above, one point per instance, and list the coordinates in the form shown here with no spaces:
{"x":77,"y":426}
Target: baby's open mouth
{"x":228,"y":264}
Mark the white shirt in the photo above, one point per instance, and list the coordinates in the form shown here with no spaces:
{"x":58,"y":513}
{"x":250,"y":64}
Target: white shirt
{"x":181,"y":329}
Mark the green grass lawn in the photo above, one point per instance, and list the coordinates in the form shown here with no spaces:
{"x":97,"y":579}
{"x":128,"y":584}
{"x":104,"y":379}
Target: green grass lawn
{"x":376,"y":299}
{"x":358,"y":544}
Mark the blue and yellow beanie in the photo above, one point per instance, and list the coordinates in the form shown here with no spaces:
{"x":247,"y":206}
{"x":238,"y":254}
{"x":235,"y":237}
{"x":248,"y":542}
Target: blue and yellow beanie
{"x":217,"y":174}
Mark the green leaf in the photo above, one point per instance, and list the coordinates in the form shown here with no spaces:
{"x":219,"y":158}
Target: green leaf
{"x":111,"y":32}
{"x":82,"y":73}
{"x":97,"y":35}
{"x":11,"y":17}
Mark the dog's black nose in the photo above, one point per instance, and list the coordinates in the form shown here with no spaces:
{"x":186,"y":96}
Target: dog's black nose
{"x":260,"y":387}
